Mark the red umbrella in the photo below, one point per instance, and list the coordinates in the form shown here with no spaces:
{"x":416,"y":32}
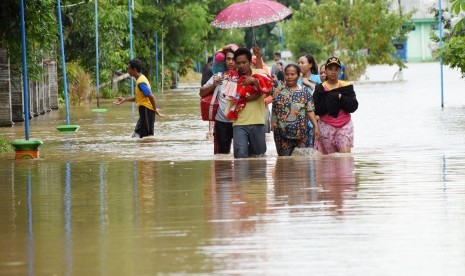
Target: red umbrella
{"x":250,"y":13}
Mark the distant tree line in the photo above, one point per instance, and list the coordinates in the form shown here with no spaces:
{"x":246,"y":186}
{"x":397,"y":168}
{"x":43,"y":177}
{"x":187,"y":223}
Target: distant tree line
{"x":360,"y":31}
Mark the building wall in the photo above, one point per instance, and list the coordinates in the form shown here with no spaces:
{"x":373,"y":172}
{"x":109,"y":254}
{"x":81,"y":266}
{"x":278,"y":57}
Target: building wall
{"x":419,"y":41}
{"x":5,"y":91}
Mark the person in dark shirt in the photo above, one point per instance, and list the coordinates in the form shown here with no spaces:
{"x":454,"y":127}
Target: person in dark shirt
{"x":280,"y":74}
{"x":207,"y":71}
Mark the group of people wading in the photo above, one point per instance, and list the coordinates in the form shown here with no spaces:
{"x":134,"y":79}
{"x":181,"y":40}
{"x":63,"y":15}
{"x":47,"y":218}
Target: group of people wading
{"x":310,"y":109}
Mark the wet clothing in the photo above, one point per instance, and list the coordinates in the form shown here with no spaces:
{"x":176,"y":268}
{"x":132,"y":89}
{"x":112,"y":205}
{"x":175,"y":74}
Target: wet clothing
{"x":328,"y":102}
{"x":223,"y":129}
{"x":142,"y":91}
{"x":249,"y":127}
{"x":249,"y":140}
{"x":223,"y":135}
{"x":316,"y":80}
{"x":228,"y":80}
{"x":146,"y":122}
{"x":335,"y":123}
{"x":290,"y":119}
{"x":333,"y":139}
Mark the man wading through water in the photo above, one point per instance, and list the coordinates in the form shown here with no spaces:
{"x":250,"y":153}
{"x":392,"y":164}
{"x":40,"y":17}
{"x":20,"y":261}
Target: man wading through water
{"x":249,"y":124}
{"x":145,"y":100}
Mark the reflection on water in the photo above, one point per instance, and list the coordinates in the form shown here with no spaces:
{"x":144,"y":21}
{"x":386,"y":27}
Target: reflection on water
{"x":99,"y":203}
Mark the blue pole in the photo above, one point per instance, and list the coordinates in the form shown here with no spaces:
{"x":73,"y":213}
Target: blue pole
{"x":25,"y":88}
{"x":130,"y":41}
{"x":440,"y":55}
{"x":63,"y":62}
{"x":97,"y":79}
{"x":156,"y":62}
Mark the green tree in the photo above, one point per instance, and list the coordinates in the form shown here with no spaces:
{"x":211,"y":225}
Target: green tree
{"x":79,"y":32}
{"x":453,"y":50}
{"x":41,"y":32}
{"x":360,"y":33}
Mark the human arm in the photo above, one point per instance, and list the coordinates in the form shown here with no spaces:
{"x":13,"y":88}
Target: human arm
{"x":120,"y":100}
{"x":274,"y":117}
{"x":233,"y":47}
{"x":258,"y":54}
{"x":319,"y":101}
{"x":210,"y":86}
{"x":152,"y":101}
{"x":268,"y":99}
{"x":316,"y":129}
{"x":348,"y":100}
{"x":308,"y":83}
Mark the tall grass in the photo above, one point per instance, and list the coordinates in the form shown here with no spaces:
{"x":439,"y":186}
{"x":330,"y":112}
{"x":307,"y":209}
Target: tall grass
{"x":81,"y":88}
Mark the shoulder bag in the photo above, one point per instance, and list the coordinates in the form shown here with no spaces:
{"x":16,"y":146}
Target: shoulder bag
{"x":209,"y":105}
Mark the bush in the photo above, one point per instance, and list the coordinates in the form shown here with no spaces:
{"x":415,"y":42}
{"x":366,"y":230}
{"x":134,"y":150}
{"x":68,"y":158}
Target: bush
{"x":5,"y":145}
{"x":80,"y":83}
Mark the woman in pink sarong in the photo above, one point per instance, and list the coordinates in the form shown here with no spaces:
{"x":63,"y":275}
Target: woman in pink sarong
{"x":334,"y":101}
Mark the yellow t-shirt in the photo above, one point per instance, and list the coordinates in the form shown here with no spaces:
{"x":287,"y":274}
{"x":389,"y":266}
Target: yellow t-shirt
{"x":140,"y":98}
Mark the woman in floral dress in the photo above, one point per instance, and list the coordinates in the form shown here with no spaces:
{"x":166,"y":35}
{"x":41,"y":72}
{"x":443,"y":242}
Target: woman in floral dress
{"x":291,"y":111}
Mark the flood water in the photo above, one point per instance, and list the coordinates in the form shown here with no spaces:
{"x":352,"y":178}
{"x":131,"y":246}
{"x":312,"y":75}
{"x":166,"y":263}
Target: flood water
{"x":98,"y":202}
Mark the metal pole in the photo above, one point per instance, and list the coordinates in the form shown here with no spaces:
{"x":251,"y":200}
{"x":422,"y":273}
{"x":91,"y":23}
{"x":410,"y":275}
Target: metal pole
{"x":130,"y":40}
{"x":162,"y":61}
{"x":97,"y":79}
{"x":175,"y":75}
{"x":63,"y":62}
{"x":25,"y":88}
{"x":156,"y":62}
{"x":440,"y":55}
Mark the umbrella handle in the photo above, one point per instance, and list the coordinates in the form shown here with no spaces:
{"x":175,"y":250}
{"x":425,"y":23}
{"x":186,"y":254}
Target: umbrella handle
{"x":254,"y":41}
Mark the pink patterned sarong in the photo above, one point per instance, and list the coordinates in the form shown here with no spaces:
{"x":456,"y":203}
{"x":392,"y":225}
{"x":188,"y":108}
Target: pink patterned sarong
{"x":333,"y":139}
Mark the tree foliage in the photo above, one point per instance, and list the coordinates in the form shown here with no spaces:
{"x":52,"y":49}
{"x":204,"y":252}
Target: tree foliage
{"x":360,"y":33}
{"x":41,"y":32}
{"x":453,"y":50}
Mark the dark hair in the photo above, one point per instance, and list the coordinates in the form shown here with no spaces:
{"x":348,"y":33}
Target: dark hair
{"x":280,"y":63}
{"x":243,"y":51}
{"x":209,"y":59}
{"x":277,"y":54}
{"x":312,"y":61}
{"x":293,"y":65}
{"x":136,"y":64}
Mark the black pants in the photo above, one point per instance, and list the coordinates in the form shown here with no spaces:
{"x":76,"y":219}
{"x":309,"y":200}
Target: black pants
{"x":223,"y":135}
{"x":146,"y":122}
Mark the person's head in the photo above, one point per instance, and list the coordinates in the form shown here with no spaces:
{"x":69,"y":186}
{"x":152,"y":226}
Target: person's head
{"x":210,"y":60}
{"x":277,"y":56}
{"x":307,"y":64}
{"x":230,"y":64}
{"x":333,"y":67}
{"x":323,"y":72}
{"x":243,"y":60}
{"x":291,"y":74}
{"x":279,"y":66}
{"x":134,"y":67}
{"x":254,"y":62}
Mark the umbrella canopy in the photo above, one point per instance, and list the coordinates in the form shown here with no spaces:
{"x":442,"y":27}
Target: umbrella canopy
{"x":250,"y":13}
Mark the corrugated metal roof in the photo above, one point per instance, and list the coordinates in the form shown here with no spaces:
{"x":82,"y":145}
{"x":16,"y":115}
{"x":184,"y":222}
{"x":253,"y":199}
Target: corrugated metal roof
{"x":421,"y":8}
